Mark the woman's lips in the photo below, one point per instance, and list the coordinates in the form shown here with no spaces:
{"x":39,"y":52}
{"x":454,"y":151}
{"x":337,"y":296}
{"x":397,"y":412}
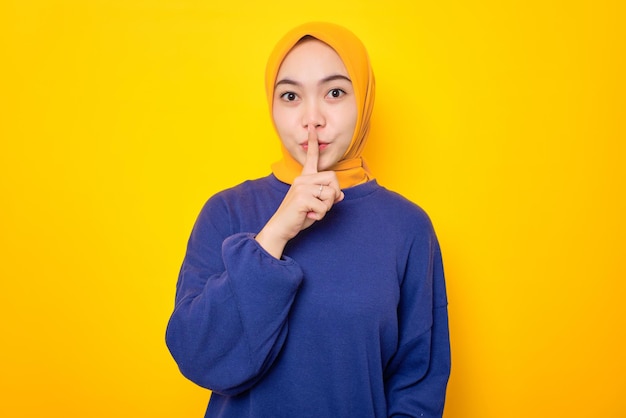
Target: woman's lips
{"x":322,"y":146}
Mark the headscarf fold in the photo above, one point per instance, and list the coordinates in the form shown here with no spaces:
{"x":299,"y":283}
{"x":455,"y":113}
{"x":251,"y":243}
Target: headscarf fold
{"x":351,"y":169}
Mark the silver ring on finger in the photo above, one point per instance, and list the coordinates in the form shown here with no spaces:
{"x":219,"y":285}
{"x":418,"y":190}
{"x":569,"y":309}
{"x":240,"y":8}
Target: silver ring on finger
{"x":319,"y":193}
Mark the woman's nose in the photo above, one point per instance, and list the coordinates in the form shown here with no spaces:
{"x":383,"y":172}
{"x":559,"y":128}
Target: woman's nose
{"x":313,"y":115}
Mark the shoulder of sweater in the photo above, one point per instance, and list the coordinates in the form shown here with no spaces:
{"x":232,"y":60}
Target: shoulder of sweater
{"x":243,"y":190}
{"x":246,"y":187}
{"x":221,"y":201}
{"x":397,"y":203}
{"x":398,"y":213}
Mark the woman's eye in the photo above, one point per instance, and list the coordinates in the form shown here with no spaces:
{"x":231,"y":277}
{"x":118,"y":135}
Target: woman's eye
{"x":289,"y":96}
{"x":336,"y":93}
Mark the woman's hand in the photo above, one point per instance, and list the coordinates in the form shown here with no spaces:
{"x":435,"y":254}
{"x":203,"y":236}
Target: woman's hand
{"x":310,"y":197}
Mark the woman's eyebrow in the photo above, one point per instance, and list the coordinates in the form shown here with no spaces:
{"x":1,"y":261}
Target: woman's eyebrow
{"x":333,"y":78}
{"x":324,"y":80}
{"x":287,"y":81}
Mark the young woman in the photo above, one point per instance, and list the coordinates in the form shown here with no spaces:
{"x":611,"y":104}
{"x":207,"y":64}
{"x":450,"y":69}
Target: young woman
{"x":314,"y":291}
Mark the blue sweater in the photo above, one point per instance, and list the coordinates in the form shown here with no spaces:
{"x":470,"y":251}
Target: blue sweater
{"x":351,"y":322}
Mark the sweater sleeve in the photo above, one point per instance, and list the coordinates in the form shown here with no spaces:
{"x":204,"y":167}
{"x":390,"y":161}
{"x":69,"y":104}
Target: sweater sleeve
{"x":232,"y":303}
{"x":416,"y":377}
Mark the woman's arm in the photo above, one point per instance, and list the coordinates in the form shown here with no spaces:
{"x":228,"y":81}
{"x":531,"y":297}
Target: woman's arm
{"x":235,"y":290}
{"x":232,"y":303}
{"x":417,"y":376}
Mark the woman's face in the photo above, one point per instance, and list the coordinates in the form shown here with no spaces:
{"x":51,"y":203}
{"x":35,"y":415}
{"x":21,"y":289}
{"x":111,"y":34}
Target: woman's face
{"x":313,"y":88}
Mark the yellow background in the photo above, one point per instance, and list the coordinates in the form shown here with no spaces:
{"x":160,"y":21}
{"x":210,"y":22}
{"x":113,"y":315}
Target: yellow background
{"x":504,"y":120}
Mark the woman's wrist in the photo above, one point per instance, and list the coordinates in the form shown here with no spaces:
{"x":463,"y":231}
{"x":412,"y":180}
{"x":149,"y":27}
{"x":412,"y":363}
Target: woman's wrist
{"x":271,"y":243}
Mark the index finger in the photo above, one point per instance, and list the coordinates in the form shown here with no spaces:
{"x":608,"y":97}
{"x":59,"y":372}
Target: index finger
{"x":312,"y":153}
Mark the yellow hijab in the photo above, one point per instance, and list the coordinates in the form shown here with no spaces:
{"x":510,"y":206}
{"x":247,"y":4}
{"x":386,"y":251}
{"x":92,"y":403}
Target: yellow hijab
{"x":351,"y":169}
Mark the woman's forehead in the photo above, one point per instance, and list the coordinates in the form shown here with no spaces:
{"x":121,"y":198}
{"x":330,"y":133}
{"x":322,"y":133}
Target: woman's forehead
{"x":310,"y":56}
